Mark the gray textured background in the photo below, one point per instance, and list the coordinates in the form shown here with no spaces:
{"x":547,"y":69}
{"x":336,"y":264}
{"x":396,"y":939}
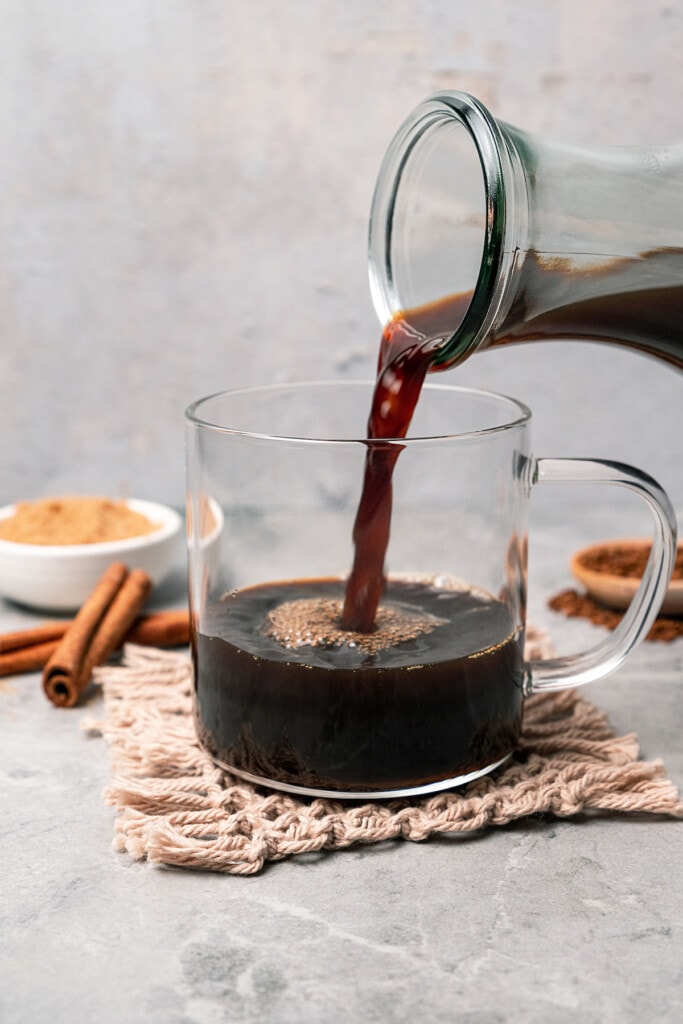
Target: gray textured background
{"x":184,"y":193}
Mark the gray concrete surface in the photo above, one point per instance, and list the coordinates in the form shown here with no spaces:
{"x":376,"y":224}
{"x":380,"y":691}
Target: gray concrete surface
{"x":544,"y":920}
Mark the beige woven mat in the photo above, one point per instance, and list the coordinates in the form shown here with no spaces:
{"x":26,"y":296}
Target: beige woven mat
{"x":174,"y":806}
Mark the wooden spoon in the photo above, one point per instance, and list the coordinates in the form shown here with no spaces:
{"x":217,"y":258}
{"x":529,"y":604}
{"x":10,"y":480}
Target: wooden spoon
{"x":617,"y":590}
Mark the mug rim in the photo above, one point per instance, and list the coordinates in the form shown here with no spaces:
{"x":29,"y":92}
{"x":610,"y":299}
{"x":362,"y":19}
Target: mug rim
{"x":522,"y":413}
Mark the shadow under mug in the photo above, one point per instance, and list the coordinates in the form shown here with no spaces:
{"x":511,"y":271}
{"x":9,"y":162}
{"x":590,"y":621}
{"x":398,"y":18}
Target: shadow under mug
{"x":434,"y":697}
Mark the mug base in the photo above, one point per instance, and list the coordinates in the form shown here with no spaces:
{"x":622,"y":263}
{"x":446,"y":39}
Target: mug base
{"x":368,"y":794}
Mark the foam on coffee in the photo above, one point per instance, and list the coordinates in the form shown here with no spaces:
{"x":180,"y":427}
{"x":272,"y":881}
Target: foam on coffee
{"x":316,"y":622}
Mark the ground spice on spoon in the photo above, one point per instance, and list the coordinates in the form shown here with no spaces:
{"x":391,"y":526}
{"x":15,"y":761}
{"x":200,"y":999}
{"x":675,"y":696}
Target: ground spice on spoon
{"x":626,"y":561}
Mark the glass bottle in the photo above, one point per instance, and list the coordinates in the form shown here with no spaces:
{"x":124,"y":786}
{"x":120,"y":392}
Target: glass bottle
{"x":481,"y":234}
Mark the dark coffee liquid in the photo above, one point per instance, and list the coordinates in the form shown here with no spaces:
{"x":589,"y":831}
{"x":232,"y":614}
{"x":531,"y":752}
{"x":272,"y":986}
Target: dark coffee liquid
{"x":355,"y":714}
{"x":636,"y":303}
{"x":333,"y":716}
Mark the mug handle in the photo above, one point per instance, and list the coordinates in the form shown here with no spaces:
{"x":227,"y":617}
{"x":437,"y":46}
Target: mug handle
{"x":605,"y":657}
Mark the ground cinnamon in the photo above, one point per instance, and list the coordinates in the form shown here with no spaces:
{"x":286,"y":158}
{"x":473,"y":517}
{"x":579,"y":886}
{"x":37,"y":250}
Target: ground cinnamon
{"x":97,"y":631}
{"x":625,"y":560}
{"x":73,"y":520}
{"x":581,"y":606}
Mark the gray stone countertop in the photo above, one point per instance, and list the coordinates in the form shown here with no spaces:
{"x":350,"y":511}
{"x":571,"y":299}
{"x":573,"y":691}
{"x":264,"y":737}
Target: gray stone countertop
{"x":541,"y":921}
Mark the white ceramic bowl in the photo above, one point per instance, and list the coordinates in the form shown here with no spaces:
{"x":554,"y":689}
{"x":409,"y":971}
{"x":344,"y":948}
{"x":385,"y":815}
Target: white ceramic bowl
{"x":59,"y":577}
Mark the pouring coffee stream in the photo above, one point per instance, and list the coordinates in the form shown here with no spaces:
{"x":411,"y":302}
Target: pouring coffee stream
{"x":531,"y":222}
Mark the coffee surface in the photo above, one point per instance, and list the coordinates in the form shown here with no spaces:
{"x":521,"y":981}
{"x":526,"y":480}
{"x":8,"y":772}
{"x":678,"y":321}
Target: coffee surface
{"x":441,"y":704}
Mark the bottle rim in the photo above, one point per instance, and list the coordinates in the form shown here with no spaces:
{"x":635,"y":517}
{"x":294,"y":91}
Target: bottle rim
{"x":494,"y":160}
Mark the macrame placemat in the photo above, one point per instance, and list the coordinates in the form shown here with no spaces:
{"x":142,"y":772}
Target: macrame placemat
{"x":175,"y":807}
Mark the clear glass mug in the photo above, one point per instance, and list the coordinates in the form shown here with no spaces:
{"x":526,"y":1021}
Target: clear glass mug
{"x":433,"y":697}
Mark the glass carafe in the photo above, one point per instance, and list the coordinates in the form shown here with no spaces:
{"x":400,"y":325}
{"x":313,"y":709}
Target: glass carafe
{"x":481,"y":234}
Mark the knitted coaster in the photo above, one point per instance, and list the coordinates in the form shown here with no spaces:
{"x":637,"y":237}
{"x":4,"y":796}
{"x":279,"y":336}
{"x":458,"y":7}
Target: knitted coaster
{"x":176,"y":807}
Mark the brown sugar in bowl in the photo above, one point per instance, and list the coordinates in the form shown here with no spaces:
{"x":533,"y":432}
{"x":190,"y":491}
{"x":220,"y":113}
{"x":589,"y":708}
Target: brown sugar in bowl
{"x":611,"y":572}
{"x":59,"y":576}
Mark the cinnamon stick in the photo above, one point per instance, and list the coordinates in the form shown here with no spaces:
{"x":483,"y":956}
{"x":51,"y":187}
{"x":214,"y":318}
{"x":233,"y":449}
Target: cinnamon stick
{"x":118,"y":619}
{"x":30,"y":650}
{"x":160,"y":629}
{"x":27,"y":659}
{"x":98,"y":629}
{"x":32,"y":637}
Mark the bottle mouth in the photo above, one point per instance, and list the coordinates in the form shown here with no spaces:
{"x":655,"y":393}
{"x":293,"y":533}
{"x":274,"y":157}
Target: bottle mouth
{"x":437,"y":222}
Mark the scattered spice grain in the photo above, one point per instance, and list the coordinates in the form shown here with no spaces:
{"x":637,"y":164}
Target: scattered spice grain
{"x":581,"y":606}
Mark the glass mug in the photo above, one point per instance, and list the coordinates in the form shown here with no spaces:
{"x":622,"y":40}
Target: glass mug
{"x":433,"y":697}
